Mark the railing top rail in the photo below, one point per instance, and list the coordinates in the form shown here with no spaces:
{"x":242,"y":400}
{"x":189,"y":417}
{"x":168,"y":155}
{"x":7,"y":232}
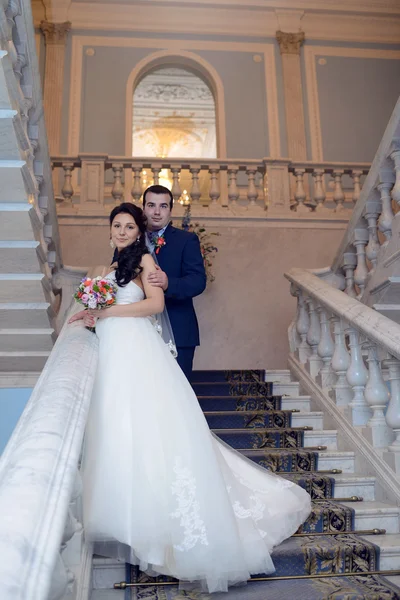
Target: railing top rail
{"x":149,"y":162}
{"x":392,"y":133}
{"x":39,"y":466}
{"x":370,"y":323}
{"x":309,"y":164}
{"x":184,"y":162}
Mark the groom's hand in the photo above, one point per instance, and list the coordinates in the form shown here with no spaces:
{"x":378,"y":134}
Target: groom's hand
{"x":158,"y":278}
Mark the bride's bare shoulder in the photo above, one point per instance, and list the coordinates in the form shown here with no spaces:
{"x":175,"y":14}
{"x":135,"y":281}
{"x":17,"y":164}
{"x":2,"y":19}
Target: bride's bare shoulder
{"x":99,"y":271}
{"x":147,"y":261}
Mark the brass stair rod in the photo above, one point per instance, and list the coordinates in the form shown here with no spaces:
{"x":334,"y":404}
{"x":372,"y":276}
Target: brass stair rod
{"x":123,"y":585}
{"x":350,"y":499}
{"x":352,"y":532}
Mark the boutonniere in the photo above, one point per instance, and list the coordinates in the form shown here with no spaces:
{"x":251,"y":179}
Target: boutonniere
{"x":159,"y":243}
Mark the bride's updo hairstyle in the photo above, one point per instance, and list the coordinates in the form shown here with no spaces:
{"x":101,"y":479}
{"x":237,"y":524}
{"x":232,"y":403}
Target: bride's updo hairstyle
{"x":129,"y":258}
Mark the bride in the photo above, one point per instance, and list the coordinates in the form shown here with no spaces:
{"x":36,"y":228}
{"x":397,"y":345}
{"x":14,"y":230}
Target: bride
{"x":160,"y":490}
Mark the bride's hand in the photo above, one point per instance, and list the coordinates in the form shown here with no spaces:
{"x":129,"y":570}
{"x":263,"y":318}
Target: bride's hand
{"x":100,"y":314}
{"x":80,"y":315}
{"x":89,"y":320}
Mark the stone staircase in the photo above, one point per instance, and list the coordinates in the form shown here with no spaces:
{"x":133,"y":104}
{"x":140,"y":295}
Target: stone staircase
{"x":370,"y":510}
{"x":29,"y":243}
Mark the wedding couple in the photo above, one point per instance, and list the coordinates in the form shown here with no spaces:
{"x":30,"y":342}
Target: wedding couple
{"x":159,"y":489}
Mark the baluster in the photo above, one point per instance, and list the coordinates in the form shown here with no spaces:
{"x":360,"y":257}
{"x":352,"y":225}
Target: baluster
{"x":300,"y":193}
{"x":117,"y":191}
{"x":136,"y":191}
{"x":156,"y":174}
{"x":233,"y":191}
{"x":326,"y":376}
{"x":338,"y":194}
{"x":357,"y":378}
{"x":395,"y":156}
{"x":387,"y":216}
{"x":67,"y":190}
{"x":176,"y":186}
{"x":340,"y":363}
{"x":393,"y":412}
{"x":195,"y":191}
{"x":319,"y":192}
{"x":372,"y":211}
{"x":214,"y":192}
{"x":349,"y":265}
{"x":376,"y":396}
{"x":252,"y":193}
{"x":302,"y":326}
{"x":356,"y":175}
{"x":361,"y":271}
{"x":313,"y":338}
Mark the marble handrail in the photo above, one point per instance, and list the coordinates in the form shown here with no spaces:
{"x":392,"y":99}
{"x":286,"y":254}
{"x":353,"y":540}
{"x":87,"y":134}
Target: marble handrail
{"x":38,"y":470}
{"x":369,"y":322}
{"x":349,"y":351}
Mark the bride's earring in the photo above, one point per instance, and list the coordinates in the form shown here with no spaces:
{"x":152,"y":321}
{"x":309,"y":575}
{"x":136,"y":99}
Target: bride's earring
{"x":137,"y":240}
{"x":112,"y":244}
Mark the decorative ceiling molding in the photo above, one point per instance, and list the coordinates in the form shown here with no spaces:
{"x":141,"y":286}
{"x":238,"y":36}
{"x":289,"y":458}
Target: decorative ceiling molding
{"x":370,"y":21}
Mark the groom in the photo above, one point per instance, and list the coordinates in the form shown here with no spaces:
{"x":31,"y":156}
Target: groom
{"x":181,"y":275}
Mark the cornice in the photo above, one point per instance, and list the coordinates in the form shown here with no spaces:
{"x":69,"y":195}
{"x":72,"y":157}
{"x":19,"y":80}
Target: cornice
{"x":382,"y":7}
{"x":250,"y":20}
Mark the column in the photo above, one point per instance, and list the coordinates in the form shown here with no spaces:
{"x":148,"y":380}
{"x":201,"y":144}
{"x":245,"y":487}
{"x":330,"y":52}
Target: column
{"x":289,"y":45}
{"x":55,"y":35}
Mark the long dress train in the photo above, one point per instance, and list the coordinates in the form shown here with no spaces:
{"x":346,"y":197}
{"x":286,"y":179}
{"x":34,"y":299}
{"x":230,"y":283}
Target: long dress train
{"x":159,"y":490}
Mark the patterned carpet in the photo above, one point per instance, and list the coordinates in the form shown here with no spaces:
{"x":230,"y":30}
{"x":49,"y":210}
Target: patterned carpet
{"x":242,"y":410}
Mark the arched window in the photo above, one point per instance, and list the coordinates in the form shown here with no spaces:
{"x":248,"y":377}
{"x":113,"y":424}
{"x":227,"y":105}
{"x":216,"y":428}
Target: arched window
{"x":174,"y":115}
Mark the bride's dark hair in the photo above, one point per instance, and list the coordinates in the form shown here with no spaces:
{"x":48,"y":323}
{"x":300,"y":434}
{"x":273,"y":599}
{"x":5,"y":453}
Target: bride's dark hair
{"x":129,"y":258}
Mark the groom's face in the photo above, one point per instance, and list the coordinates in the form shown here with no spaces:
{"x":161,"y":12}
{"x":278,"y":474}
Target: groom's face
{"x":157,"y":211}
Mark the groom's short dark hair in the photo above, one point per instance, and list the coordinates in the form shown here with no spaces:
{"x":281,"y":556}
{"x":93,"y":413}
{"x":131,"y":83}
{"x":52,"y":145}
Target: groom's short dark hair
{"x":159,"y":189}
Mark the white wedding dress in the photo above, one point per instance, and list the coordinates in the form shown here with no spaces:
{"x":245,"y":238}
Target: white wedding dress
{"x":159,"y":490}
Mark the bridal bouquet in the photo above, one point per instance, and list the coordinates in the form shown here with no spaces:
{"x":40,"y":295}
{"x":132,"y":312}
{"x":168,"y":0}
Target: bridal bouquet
{"x":96,"y":293}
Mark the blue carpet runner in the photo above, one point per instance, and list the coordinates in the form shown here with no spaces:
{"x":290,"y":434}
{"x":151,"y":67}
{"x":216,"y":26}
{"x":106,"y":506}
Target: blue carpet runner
{"x":242,"y":410}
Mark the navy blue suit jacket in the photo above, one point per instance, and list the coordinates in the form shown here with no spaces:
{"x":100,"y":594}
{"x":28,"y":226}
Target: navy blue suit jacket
{"x":182,"y":261}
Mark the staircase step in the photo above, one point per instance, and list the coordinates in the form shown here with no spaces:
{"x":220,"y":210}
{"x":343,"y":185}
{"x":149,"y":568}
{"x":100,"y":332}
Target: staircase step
{"x":302,"y":403}
{"x":224,"y":376}
{"x":23,"y":361}
{"x":108,"y":594}
{"x":21,"y":258}
{"x":238,"y":403}
{"x":233,"y":388}
{"x":389,"y":545}
{"x":328,"y":460}
{"x":322,"y":437}
{"x":16,"y":222}
{"x":312,"y":419}
{"x":23,"y":316}
{"x":278,"y":376}
{"x":106,"y":572}
{"x":282,"y":461}
{"x":261,"y":438}
{"x":354,"y":485}
{"x":248,"y":419}
{"x":286,"y":389}
{"x":369,"y":515}
{"x":18,"y":340}
{"x":27,"y":286}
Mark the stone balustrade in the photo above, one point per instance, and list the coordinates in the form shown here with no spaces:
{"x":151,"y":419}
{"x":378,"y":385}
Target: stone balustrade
{"x":352,"y":354}
{"x":269,"y":187}
{"x":372,"y":233}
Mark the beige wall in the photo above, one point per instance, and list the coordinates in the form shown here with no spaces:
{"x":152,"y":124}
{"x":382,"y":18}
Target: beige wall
{"x":245,"y":313}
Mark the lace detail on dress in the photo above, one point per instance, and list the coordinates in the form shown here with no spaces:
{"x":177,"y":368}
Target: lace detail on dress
{"x":184,"y":488}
